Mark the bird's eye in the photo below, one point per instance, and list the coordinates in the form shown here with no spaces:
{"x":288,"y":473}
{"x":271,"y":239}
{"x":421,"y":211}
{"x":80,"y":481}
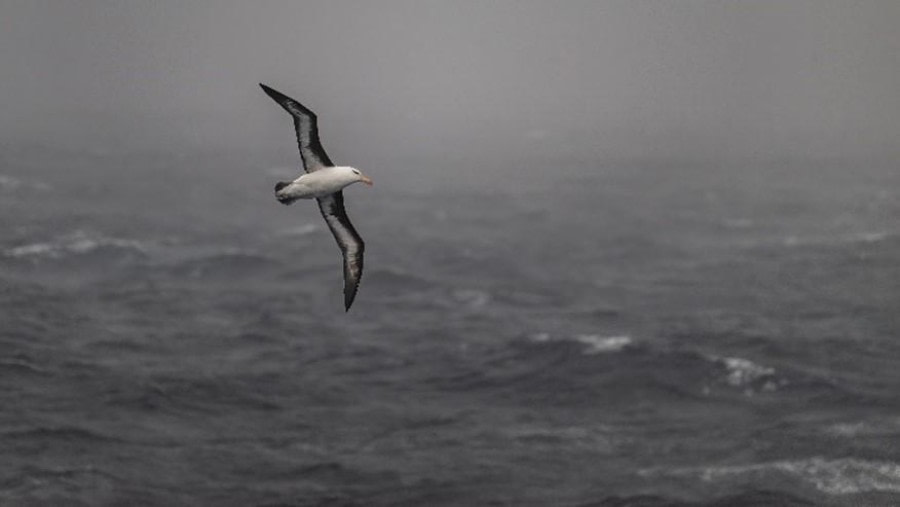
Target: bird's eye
{"x":355,"y":171}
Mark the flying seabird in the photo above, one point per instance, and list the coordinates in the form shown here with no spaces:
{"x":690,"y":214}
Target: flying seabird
{"x":323,"y":181}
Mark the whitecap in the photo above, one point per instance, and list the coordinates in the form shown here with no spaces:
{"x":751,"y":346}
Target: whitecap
{"x":747,"y":375}
{"x":78,"y":242}
{"x":597,"y":344}
{"x":35,"y":249}
{"x":742,"y":372}
{"x":882,"y":427}
{"x":594,"y":344}
{"x":836,"y":477}
{"x":843,"y":239}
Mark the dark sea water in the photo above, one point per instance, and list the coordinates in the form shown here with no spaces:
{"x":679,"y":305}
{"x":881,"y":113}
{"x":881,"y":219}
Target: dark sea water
{"x":584,"y":336}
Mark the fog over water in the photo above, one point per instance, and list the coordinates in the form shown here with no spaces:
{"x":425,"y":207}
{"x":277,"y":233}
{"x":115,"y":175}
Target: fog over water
{"x":693,"y":80}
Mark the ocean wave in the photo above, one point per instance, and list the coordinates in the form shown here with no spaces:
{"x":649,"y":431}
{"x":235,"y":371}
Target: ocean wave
{"x":12,"y":184}
{"x":743,"y":372}
{"x":75,"y":244}
{"x":865,"y":237}
{"x":56,"y":485}
{"x":688,"y":370}
{"x":840,"y":476}
{"x":471,"y":298}
{"x":581,"y":437}
{"x":396,"y":278}
{"x":800,"y":241}
{"x":884,"y":427}
{"x":227,"y":262}
{"x":178,"y":394}
{"x":753,"y":498}
{"x":593,"y":343}
{"x":746,"y":375}
{"x":19,"y":366}
{"x":67,"y":433}
{"x":299,"y":231}
{"x":738,"y":223}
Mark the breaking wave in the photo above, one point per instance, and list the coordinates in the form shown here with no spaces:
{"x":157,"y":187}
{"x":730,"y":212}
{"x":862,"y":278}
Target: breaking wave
{"x":841,"y":476}
{"x":74,"y":244}
{"x":593,"y":343}
{"x":750,"y":376}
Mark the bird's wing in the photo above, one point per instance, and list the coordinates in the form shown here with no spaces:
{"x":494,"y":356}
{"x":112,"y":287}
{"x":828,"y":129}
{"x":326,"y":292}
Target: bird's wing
{"x":306,"y":125}
{"x":348,"y":239}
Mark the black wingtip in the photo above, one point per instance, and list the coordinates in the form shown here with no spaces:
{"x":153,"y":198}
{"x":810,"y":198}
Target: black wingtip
{"x":275,"y":94}
{"x":348,"y":299}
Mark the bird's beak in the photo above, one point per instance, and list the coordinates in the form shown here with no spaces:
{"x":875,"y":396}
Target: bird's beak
{"x":365,"y":179}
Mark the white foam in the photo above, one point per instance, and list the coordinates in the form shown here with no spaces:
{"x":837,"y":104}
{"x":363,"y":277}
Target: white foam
{"x":598,"y":344}
{"x":859,"y":237}
{"x":594,"y":344}
{"x":836,"y":477}
{"x":745,"y":374}
{"x":78,"y":242}
{"x":881,"y":427}
{"x":742,"y":372}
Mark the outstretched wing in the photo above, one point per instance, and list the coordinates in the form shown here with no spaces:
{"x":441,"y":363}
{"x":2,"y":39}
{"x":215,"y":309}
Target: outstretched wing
{"x":348,"y":239}
{"x":306,"y":125}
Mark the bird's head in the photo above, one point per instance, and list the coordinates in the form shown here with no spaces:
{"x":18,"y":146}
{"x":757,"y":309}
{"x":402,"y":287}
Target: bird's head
{"x":354,"y":175}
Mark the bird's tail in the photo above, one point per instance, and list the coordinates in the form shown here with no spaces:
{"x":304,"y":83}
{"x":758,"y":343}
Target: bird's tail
{"x":283,"y":199}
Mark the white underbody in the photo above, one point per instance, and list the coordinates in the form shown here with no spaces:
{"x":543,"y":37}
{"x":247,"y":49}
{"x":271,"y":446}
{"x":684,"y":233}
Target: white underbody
{"x":321,"y":183}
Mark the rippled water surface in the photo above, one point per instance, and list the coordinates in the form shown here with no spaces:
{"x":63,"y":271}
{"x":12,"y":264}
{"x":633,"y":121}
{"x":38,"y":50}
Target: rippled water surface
{"x":598,"y":336}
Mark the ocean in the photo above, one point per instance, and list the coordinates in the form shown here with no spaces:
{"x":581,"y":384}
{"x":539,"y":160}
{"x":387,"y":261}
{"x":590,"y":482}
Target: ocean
{"x":561,"y":334}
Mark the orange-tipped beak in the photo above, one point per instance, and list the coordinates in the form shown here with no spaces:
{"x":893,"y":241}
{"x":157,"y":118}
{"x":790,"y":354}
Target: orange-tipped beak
{"x":365,"y":179}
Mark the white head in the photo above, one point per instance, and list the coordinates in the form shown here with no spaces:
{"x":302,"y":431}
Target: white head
{"x":353,"y":175}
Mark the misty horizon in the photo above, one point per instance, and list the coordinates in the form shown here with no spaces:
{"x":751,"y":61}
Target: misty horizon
{"x":614,"y":81}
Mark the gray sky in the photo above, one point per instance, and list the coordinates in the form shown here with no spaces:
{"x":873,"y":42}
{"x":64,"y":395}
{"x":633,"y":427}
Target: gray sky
{"x":586,"y":80}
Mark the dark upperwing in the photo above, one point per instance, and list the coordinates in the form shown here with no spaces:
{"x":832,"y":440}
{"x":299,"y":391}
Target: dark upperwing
{"x":306,"y":126}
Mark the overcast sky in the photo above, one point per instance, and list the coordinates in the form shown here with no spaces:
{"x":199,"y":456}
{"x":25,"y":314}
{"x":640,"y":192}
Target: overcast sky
{"x":595,"y":79}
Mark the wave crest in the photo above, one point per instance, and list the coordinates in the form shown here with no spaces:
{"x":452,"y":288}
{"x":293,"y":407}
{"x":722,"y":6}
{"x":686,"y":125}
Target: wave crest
{"x":73,"y":244}
{"x":593,"y":343}
{"x":841,"y":476}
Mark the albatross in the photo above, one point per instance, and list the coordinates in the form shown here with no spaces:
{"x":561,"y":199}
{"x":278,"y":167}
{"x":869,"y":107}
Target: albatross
{"x":324,"y":182}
